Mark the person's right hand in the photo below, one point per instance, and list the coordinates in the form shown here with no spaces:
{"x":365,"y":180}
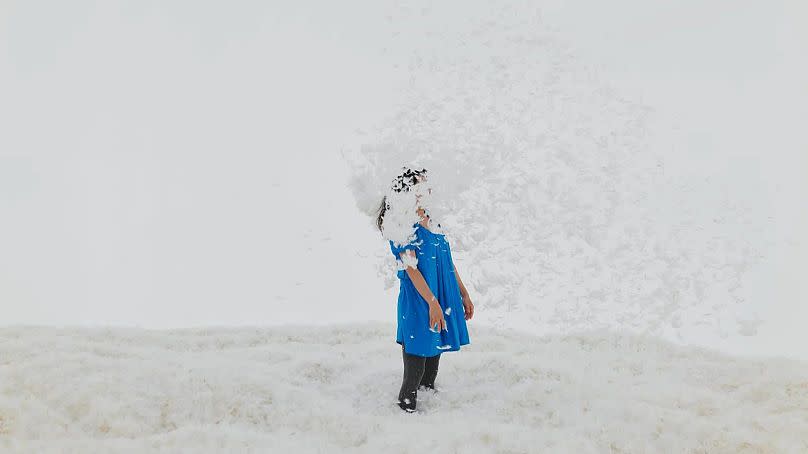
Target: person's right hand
{"x":436,"y":321}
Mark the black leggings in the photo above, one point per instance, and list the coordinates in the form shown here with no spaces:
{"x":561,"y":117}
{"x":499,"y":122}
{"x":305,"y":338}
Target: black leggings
{"x":418,"y":371}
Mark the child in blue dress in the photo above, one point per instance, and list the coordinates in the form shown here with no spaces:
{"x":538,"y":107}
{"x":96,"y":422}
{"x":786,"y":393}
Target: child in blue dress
{"x":433,"y":303}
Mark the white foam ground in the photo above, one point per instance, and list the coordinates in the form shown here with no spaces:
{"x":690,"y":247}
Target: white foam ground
{"x":332,"y":389}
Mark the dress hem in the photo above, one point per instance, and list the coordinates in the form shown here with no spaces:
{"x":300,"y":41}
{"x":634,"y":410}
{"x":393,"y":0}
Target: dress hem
{"x":442,"y":351}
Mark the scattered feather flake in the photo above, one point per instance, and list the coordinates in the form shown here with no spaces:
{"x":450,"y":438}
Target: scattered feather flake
{"x":410,"y":261}
{"x":621,"y":216}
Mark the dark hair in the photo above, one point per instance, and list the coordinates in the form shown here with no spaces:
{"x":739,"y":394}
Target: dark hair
{"x":402,"y":183}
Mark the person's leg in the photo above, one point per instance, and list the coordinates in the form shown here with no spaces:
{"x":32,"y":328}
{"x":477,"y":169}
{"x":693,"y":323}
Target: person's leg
{"x":430,"y":371}
{"x":413,"y":372}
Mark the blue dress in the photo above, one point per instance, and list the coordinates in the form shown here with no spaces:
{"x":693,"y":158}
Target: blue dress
{"x":436,"y":265}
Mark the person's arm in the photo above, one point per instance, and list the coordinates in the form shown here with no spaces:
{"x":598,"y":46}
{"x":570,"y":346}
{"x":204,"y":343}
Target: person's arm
{"x":463,"y":292}
{"x":417,"y":278}
{"x":436,"y":320}
{"x":468,"y":306}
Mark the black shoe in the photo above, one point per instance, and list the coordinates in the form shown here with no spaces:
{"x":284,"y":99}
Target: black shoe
{"x":408,"y":403}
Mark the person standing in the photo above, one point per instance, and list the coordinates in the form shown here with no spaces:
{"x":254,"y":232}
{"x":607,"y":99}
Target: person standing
{"x":433,"y":304}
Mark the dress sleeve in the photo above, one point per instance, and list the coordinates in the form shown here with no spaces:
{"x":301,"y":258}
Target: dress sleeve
{"x":397,"y":248}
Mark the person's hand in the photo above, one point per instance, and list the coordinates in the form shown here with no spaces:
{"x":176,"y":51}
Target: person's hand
{"x":436,"y":321}
{"x":468,"y":307}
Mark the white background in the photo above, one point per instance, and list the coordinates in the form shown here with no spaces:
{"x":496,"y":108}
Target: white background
{"x":167,"y":165}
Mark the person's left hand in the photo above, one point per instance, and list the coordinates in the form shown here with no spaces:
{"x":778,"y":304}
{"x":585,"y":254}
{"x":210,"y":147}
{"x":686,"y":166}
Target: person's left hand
{"x":468,"y":307}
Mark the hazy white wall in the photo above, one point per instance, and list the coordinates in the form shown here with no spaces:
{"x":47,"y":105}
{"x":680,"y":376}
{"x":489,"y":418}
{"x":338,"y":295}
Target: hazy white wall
{"x":178,"y":163}
{"x":174,"y":163}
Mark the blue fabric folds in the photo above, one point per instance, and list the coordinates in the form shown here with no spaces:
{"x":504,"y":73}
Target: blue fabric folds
{"x":435,"y":264}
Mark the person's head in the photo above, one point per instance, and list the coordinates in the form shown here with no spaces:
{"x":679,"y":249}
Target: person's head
{"x":402,"y":183}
